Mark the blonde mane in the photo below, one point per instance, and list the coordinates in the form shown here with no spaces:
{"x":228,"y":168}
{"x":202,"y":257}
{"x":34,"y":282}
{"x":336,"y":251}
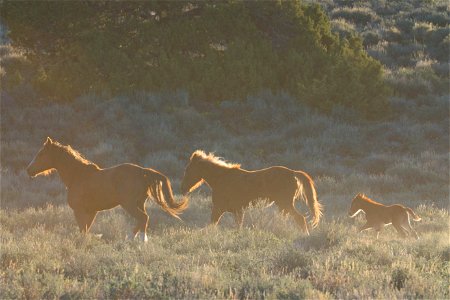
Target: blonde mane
{"x":366,"y":199}
{"x":74,"y":154}
{"x":199,"y":154}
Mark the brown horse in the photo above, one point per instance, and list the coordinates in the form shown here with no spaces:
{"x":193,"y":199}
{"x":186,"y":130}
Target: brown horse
{"x":379,"y":215}
{"x":233,"y":188}
{"x":92,"y":189}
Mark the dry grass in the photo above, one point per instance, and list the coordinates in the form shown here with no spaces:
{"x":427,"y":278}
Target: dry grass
{"x":43,"y":256}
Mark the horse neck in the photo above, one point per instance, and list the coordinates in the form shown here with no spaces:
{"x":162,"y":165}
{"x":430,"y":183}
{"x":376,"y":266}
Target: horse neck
{"x":213,"y":174}
{"x":368,"y":204}
{"x":70,"y":169}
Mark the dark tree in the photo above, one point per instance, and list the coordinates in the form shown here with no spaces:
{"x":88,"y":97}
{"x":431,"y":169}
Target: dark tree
{"x":215,"y":50}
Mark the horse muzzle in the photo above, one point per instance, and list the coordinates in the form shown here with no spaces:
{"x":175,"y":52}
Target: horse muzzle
{"x":31,"y":172}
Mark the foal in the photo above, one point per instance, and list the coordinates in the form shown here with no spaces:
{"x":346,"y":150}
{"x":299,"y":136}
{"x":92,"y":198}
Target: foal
{"x":379,"y":215}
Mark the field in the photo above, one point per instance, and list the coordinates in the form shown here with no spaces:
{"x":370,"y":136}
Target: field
{"x":43,"y":256}
{"x":403,"y":158}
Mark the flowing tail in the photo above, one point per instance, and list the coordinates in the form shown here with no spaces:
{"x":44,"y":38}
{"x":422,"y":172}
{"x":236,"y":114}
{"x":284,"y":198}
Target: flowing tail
{"x":161,"y":190}
{"x":309,"y":194}
{"x":413,"y":214}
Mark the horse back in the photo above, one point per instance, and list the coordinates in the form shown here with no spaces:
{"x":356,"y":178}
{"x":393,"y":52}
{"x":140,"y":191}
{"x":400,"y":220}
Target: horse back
{"x":112,"y":186}
{"x":263,"y":183}
{"x":385,"y":214}
{"x":130,"y":175}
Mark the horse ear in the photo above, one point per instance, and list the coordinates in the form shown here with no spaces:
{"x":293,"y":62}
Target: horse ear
{"x":195,"y":156}
{"x":48,"y":141}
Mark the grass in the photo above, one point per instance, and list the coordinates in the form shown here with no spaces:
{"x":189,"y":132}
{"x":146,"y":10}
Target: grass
{"x":43,"y":256}
{"x":403,"y":158}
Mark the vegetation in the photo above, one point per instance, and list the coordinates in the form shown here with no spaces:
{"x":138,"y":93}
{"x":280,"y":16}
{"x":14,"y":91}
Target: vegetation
{"x":402,"y":158}
{"x":216,"y":51}
{"x":266,"y":259}
{"x":410,"y":38}
{"x":269,"y":257}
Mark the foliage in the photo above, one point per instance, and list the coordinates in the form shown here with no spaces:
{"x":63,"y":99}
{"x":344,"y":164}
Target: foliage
{"x":400,"y":34}
{"x":216,"y":51}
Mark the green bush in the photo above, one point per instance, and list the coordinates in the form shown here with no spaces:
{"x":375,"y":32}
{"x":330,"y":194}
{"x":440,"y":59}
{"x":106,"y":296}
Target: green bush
{"x":357,"y":15}
{"x":215,"y":50}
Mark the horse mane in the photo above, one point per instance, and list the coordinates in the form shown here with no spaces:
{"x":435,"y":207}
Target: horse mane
{"x":72,"y":153}
{"x":366,"y":199}
{"x":211,"y":158}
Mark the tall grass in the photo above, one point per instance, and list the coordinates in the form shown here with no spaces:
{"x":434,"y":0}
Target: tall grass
{"x":402,"y":159}
{"x":43,"y":256}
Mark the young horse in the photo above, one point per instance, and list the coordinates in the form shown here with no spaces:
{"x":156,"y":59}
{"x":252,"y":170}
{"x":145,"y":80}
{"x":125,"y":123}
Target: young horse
{"x":379,"y":215}
{"x":92,"y":189}
{"x":234,"y":188}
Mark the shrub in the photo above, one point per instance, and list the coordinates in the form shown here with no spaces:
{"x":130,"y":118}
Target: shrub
{"x":398,"y":278}
{"x":425,"y":14}
{"x":393,"y":34}
{"x":291,"y":259}
{"x":343,"y":28}
{"x":288,"y":47}
{"x":370,"y":38}
{"x":421,"y":30}
{"x":418,"y":81}
{"x":357,"y":15}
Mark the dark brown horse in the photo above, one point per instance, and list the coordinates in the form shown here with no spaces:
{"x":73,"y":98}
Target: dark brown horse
{"x":92,"y":189}
{"x":233,"y":188}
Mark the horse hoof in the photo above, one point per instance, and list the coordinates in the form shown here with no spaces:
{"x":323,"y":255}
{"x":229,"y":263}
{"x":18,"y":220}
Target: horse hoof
{"x":143,"y":237}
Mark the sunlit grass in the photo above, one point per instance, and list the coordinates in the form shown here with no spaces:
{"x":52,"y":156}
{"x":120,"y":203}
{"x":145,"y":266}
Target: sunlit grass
{"x":43,"y":256}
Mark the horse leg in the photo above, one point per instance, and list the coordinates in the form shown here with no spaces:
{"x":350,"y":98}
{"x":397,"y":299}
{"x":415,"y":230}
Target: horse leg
{"x":403,"y":233}
{"x":84,"y":219}
{"x":378,"y":229}
{"x":138,"y":212}
{"x":365,"y":227}
{"x":239,"y":217}
{"x":216,"y":214}
{"x":413,"y":232}
{"x":298,"y":217}
{"x":407,"y":226}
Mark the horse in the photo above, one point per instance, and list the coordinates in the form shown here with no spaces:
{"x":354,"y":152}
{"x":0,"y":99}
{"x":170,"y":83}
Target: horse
{"x":379,"y":215}
{"x":234,"y":188}
{"x":91,"y":189}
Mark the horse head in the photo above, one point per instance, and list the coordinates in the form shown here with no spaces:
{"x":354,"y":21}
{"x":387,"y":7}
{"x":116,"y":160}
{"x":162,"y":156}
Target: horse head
{"x":356,"y":205}
{"x":43,"y":161}
{"x":192,"y":178}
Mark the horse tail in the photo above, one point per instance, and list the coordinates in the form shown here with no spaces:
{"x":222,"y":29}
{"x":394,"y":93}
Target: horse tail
{"x":308,"y":191}
{"x":413,"y":214}
{"x":161,"y":191}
